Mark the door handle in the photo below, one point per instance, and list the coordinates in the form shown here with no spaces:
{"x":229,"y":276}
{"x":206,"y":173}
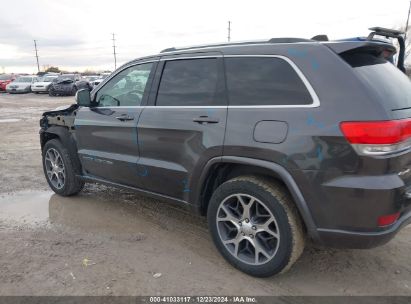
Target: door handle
{"x":205,"y":119}
{"x":125,"y":117}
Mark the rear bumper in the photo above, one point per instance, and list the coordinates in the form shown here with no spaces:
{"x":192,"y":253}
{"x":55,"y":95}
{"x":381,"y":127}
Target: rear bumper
{"x":362,"y":240}
{"x":346,"y":209}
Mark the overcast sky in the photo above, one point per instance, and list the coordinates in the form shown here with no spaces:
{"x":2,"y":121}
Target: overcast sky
{"x":76,"y":35}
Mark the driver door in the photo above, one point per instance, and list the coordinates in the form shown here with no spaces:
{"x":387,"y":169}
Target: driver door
{"x":107,"y":133}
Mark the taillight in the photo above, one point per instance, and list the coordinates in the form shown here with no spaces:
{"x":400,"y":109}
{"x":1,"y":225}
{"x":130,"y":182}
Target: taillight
{"x":378,"y":137}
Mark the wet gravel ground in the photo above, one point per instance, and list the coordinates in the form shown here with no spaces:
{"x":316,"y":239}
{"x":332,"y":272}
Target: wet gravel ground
{"x":107,"y":241}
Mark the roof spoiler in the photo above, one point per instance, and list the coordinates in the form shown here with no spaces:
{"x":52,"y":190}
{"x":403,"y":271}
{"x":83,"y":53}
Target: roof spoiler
{"x":390,"y":33}
{"x":320,"y":38}
{"x":353,"y":46}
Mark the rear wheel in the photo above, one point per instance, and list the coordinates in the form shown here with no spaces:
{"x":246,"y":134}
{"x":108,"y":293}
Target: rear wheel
{"x":59,"y":170}
{"x":255,"y":226}
{"x":51,"y":93}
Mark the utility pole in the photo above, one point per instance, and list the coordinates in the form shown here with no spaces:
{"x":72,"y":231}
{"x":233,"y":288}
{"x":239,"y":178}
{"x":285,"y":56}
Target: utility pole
{"x":406,"y":26}
{"x":37,"y":56}
{"x":114,"y":51}
{"x":229,"y":31}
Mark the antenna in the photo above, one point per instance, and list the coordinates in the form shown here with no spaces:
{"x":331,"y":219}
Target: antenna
{"x":114,"y":51}
{"x":229,"y":31}
{"x":406,"y":25}
{"x":37,"y":56}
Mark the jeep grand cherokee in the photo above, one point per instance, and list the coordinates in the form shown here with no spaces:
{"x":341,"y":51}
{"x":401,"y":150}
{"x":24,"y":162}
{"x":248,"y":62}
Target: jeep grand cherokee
{"x":273,"y":141}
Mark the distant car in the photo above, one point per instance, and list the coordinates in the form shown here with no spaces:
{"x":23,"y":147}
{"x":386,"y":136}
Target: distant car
{"x":90,"y":79}
{"x":99,"y":80}
{"x":5,"y":79}
{"x":65,"y":84}
{"x":21,"y":85}
{"x":43,"y":85}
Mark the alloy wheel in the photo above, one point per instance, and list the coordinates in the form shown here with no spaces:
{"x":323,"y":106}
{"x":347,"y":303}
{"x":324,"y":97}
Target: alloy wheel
{"x":55,"y":168}
{"x":248,"y":229}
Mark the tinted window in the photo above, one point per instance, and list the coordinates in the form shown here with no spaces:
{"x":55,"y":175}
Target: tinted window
{"x":191,"y":82}
{"x":5,"y":77}
{"x":24,"y":79}
{"x":126,"y":88}
{"x":264,"y":81}
{"x":391,"y":85}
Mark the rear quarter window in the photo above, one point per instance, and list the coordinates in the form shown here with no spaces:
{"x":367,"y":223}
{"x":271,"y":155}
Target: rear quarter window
{"x":264,"y":81}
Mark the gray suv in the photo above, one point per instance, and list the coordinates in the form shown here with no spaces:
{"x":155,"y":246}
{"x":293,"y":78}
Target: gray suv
{"x":275,"y":142}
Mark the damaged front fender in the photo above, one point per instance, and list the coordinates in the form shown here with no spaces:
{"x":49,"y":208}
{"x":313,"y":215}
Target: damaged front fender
{"x":59,"y":117}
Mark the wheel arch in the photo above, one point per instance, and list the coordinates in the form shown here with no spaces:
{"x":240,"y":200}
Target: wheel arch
{"x":220,"y":169}
{"x":67,"y":139}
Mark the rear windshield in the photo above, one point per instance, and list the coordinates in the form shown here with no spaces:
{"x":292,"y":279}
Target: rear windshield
{"x":392,"y":86}
{"x":5,"y":77}
{"x":24,"y":79}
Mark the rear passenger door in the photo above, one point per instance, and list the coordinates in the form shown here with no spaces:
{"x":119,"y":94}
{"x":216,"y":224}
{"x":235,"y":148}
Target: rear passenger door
{"x":184,"y":124}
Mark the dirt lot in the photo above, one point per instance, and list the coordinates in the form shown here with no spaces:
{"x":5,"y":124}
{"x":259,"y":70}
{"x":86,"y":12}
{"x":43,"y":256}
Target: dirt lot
{"x":112,"y":242}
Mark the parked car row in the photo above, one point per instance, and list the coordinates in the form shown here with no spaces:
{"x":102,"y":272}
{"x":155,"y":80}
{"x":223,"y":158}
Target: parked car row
{"x":63,"y":84}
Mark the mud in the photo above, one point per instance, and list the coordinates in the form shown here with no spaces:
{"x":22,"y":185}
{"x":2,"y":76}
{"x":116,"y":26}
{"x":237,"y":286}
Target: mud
{"x":107,"y":241}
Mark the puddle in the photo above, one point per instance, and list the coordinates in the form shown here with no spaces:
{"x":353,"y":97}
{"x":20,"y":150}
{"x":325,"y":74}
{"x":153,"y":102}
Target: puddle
{"x":95,"y":212}
{"x":25,"y":207}
{"x":9,"y":120}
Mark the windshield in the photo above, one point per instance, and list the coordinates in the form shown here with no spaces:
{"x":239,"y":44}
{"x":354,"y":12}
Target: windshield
{"x":5,"y":77}
{"x":91,"y":78}
{"x":392,"y":87}
{"x":24,"y":79}
{"x":65,"y":77}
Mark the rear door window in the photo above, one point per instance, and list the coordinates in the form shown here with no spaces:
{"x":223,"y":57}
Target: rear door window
{"x":190,"y":82}
{"x":392,"y":87}
{"x":264,"y":81}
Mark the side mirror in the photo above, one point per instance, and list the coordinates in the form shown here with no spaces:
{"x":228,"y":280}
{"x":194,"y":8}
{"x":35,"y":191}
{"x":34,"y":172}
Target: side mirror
{"x":83,"y":98}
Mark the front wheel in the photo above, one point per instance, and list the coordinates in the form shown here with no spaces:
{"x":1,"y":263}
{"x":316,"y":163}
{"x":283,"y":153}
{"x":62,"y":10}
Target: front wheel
{"x":255,"y":225}
{"x":59,"y":170}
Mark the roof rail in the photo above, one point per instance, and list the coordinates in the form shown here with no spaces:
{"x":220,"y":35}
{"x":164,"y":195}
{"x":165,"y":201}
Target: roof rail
{"x":288,"y":40}
{"x":272,"y":40}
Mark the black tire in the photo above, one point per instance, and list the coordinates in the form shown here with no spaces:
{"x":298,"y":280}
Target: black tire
{"x":279,"y":202}
{"x":51,"y":93}
{"x":72,"y":184}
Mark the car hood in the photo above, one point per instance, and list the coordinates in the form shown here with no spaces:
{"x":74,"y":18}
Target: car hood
{"x":62,"y":108}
